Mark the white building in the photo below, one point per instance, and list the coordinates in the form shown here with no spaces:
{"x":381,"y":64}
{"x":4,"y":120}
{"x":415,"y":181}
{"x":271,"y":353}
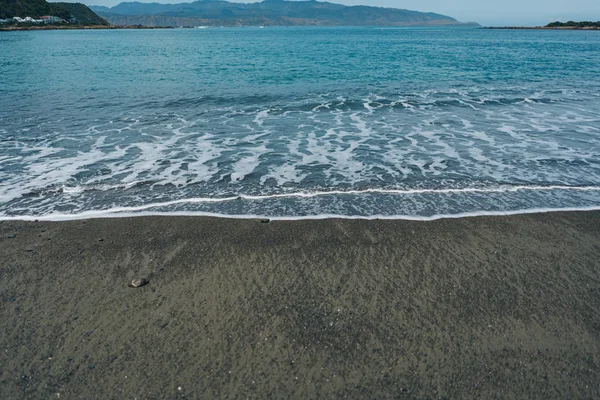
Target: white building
{"x":51,"y":19}
{"x":29,"y":20}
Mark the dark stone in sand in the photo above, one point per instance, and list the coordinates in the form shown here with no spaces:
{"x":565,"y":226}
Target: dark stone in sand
{"x":135,"y":283}
{"x":265,"y":220}
{"x":12,"y":236}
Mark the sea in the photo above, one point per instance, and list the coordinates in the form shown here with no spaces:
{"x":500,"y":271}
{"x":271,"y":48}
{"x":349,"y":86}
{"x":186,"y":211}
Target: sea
{"x":298,"y":122}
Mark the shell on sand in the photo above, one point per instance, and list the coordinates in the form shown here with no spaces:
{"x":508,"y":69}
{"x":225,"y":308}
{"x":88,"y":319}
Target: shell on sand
{"x":135,"y":283}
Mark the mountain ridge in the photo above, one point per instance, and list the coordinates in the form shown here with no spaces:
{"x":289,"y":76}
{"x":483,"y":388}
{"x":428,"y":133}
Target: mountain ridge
{"x":267,"y":12}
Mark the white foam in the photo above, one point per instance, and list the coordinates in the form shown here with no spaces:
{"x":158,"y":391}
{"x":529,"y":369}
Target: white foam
{"x":366,"y":141}
{"x":260,"y":117}
{"x":246,"y":165}
{"x":100,"y":187}
{"x":200,"y":200}
{"x":118,"y":214}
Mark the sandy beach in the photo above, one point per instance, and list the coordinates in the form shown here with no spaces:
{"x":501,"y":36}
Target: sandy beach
{"x":484,"y":307}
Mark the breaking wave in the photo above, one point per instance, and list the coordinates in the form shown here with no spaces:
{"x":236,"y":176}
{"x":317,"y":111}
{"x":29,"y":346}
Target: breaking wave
{"x":346,"y":139}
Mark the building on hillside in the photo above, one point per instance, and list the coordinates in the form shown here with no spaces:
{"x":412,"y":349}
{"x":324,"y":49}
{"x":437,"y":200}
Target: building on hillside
{"x":26,"y":20}
{"x":51,"y":19}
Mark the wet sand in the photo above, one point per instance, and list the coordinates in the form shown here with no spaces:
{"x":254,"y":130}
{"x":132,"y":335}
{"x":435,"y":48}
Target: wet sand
{"x":486,"y":307}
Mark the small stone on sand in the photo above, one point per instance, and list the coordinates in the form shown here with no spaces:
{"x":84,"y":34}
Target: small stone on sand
{"x":135,"y":283}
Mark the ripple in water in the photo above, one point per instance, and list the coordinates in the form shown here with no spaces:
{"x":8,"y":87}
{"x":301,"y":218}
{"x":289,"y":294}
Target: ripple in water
{"x":368,"y":147}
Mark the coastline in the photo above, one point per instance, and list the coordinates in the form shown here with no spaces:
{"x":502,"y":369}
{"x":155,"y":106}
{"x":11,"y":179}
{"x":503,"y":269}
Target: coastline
{"x":548,"y":28}
{"x":211,"y":24}
{"x":76,"y":27}
{"x":502,"y":306}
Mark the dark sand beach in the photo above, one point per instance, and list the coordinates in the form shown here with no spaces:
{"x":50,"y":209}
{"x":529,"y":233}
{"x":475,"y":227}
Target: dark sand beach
{"x":485,"y":307}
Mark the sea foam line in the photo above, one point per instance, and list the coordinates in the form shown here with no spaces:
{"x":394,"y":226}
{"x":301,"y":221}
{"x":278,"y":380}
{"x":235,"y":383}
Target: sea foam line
{"x":201,"y":200}
{"x":502,"y":189}
{"x":102,"y":215}
{"x":140,"y":210}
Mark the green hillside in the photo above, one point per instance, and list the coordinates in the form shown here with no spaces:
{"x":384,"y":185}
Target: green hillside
{"x":23,"y":8}
{"x":573,"y":24}
{"x":84,"y":15}
{"x":37,"y":8}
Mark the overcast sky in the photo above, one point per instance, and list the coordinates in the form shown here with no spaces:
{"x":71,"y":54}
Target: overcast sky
{"x":486,"y":12}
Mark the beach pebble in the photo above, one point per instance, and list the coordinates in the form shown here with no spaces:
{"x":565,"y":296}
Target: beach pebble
{"x":265,"y":221}
{"x":138,"y":282}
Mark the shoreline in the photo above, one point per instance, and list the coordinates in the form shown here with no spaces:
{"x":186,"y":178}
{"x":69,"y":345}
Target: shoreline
{"x":546,"y":28}
{"x":501,"y":306}
{"x":92,"y":27}
{"x":112,"y":214}
{"x":72,"y":27}
{"x":109,"y":27}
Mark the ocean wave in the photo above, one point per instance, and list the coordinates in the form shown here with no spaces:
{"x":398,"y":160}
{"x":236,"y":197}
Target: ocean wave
{"x":284,"y":104}
{"x":220,"y":149}
{"x":334,"y":198}
{"x":77,"y":189}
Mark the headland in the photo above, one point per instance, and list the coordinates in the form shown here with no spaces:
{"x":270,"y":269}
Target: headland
{"x":569,"y":26}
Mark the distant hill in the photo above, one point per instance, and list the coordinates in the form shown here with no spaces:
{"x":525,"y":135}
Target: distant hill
{"x":268,"y":12}
{"x":574,"y":24}
{"x":37,"y":8}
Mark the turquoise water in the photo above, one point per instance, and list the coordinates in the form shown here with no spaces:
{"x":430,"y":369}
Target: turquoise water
{"x":296,"y":122}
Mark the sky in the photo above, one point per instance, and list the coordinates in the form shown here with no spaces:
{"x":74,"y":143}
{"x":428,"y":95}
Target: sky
{"x":486,"y":12}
